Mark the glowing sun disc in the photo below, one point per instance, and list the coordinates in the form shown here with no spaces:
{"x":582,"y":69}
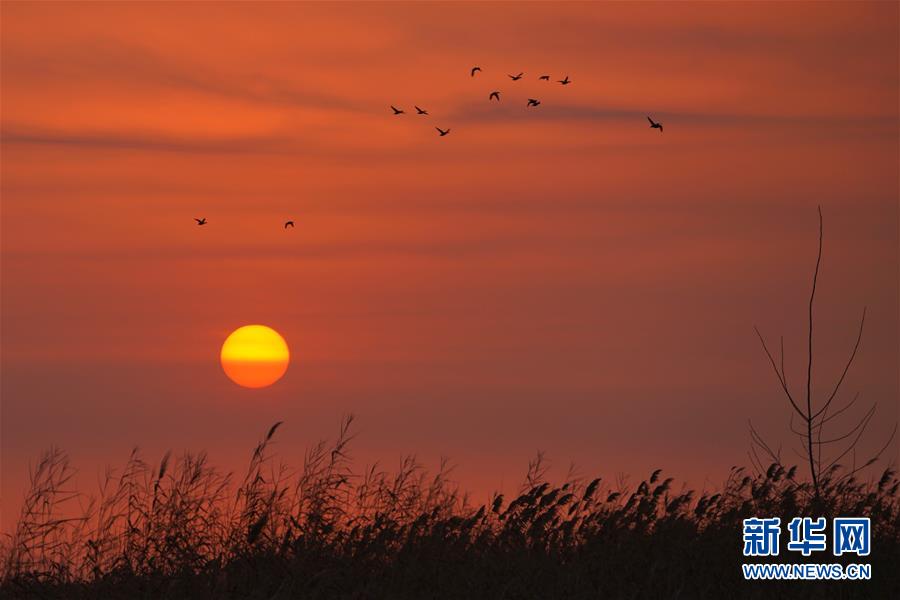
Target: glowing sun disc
{"x":255,"y":356}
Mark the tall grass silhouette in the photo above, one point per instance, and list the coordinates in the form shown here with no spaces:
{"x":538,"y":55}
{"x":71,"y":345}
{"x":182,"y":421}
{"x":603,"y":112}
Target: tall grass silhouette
{"x":184,"y":529}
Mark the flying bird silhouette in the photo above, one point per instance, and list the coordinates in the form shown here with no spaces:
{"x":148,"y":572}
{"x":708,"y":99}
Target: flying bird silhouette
{"x":655,"y":125}
{"x":565,"y":80}
{"x":200,"y":221}
{"x":421,"y":111}
{"x":494,"y":96}
{"x":288,"y":224}
{"x":544,"y":77}
{"x":442,"y":132}
{"x":533,"y":102}
{"x":516,"y":77}
{"x":474,"y":70}
{"x":396,"y":110}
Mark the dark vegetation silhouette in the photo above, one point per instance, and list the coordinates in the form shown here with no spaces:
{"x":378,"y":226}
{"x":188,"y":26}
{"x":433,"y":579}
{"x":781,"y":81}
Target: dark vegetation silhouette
{"x":183,"y":529}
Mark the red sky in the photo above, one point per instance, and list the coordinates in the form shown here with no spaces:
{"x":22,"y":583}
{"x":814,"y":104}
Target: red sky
{"x":559,"y":278}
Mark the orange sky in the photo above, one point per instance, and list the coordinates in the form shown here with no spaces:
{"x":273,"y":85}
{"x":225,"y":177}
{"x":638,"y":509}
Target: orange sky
{"x":561,"y":278}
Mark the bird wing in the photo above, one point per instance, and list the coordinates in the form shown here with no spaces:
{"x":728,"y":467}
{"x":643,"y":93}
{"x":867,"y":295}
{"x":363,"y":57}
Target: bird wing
{"x":651,"y":121}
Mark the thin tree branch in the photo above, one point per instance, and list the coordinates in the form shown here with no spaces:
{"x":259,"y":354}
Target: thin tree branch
{"x":852,"y":444}
{"x":794,"y":430}
{"x":824,"y":420}
{"x":761,"y":443}
{"x":809,"y":412}
{"x":781,"y":380}
{"x":783,"y":372}
{"x":867,"y":416}
{"x":837,"y":386}
{"x":874,"y":457}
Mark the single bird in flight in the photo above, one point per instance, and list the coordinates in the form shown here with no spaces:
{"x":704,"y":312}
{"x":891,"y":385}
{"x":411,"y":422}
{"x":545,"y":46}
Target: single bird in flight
{"x":533,"y":102}
{"x":565,"y":80}
{"x":494,"y":96}
{"x":516,"y":77}
{"x":655,"y":125}
{"x":396,"y":110}
{"x":288,"y":224}
{"x":421,"y":111}
{"x":544,"y":77}
{"x":442,"y":132}
{"x":474,"y":70}
{"x":200,"y":221}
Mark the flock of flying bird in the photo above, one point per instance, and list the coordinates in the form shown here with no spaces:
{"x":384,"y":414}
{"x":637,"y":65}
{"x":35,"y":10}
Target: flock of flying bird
{"x":494,"y":95}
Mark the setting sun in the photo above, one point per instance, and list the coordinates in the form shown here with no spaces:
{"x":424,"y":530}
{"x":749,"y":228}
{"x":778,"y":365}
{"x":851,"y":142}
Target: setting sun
{"x":255,"y":356}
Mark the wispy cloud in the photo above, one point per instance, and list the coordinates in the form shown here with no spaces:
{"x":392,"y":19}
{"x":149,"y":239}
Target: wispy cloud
{"x":125,"y":141}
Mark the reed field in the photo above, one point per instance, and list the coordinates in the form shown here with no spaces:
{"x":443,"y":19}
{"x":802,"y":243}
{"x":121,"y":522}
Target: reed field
{"x":183,"y":529}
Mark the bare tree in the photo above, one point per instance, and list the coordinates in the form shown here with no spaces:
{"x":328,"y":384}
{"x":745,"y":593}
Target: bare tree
{"x":814,"y":416}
